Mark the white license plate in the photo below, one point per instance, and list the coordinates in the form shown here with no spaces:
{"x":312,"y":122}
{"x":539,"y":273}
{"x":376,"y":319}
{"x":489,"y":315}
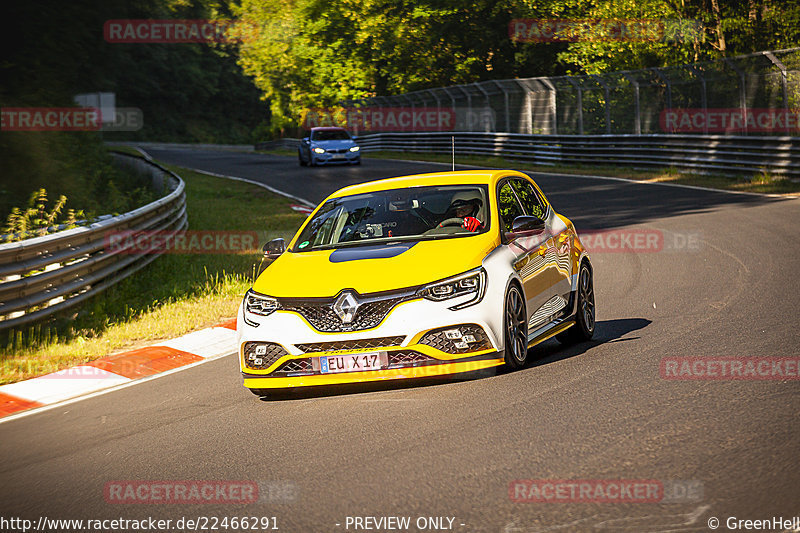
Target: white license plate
{"x":338,"y":156}
{"x":357,"y":362}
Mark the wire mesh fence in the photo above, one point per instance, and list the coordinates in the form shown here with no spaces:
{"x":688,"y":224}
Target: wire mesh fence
{"x":753,"y":94}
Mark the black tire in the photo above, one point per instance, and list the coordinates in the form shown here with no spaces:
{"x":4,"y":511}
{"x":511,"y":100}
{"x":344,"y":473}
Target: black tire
{"x":515,"y":328}
{"x":585,"y":314}
{"x":300,"y":159}
{"x":261,"y":393}
{"x":358,"y":162}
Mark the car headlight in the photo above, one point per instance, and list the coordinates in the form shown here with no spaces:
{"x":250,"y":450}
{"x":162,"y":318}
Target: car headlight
{"x":354,"y":148}
{"x":257,"y":305}
{"x":472,"y":282}
{"x":319,"y":150}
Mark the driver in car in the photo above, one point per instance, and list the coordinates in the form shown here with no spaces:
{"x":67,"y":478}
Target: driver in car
{"x":463,"y":210}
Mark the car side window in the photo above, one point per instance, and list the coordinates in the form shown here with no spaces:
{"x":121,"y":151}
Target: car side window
{"x":531,"y":201}
{"x":508,"y":206}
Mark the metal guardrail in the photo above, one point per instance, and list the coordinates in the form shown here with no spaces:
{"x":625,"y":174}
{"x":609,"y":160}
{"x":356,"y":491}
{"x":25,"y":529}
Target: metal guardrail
{"x":716,"y":154}
{"x":48,"y":274}
{"x":184,"y":146}
{"x":286,"y":142}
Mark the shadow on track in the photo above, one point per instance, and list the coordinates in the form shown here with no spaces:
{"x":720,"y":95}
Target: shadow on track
{"x":605,"y":204}
{"x":607,"y":331}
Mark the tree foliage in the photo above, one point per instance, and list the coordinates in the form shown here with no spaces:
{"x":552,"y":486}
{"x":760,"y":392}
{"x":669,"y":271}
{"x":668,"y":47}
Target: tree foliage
{"x":313,"y":53}
{"x":53,"y":50}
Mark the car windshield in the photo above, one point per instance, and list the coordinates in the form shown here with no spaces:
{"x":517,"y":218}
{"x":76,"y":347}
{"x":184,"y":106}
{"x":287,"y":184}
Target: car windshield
{"x":330,"y":135}
{"x":417,"y":213}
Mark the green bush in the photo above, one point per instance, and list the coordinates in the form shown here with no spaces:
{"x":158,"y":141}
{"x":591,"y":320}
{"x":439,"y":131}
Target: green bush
{"x":74,"y":165}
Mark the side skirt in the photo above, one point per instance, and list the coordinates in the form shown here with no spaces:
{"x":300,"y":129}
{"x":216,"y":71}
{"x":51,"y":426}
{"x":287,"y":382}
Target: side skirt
{"x":549,"y":330}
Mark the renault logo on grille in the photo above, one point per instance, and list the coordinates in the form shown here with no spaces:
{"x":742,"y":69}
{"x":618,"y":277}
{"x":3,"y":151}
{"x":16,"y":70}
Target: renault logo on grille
{"x":346,"y":307}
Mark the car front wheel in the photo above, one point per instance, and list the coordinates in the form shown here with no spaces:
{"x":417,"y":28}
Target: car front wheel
{"x":516,"y":329}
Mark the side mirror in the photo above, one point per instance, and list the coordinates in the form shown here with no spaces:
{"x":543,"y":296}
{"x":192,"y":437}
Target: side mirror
{"x":305,"y":140}
{"x":527,"y":225}
{"x":274,"y":248}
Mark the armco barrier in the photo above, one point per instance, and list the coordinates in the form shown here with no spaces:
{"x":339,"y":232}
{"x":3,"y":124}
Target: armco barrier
{"x":716,"y":154}
{"x":185,"y":146}
{"x":286,"y":143}
{"x":44,"y":275}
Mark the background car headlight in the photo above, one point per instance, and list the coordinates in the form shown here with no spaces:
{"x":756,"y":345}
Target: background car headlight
{"x":319,"y":150}
{"x":256,"y":305}
{"x":472,"y":282}
{"x":354,"y":148}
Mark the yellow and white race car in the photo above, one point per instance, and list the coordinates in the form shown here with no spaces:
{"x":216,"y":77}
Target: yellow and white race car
{"x":418,"y":276}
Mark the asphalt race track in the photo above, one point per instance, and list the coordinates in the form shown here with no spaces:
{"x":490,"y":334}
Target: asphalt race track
{"x":723,"y":283}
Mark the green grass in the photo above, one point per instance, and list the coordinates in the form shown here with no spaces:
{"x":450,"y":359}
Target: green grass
{"x":171,"y":296}
{"x":278,"y":151}
{"x":761,"y":183}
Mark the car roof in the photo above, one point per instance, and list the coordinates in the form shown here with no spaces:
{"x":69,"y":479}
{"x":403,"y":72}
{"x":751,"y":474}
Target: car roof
{"x":459,"y":177}
{"x":327,"y":128}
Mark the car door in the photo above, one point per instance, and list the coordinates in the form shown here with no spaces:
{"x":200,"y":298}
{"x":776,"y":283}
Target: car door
{"x":556,"y":273}
{"x":534,"y":254}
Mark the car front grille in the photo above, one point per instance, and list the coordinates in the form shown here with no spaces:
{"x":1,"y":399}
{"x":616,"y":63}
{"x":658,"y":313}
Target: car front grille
{"x":262,"y":355}
{"x":295,"y":365}
{"x":406,"y":358}
{"x":323,"y":318}
{"x":372,"y":309}
{"x":463,"y":338}
{"x":381,"y":342}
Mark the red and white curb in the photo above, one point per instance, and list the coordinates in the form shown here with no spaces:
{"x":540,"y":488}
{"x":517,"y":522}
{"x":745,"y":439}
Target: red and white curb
{"x":120,"y":369}
{"x":302,"y":208}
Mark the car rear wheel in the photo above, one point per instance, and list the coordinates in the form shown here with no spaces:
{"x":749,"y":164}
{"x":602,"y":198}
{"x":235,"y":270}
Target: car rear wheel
{"x":583,"y":329}
{"x":516,"y":329}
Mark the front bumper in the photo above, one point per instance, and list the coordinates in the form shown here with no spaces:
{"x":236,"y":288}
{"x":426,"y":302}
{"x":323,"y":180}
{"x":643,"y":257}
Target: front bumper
{"x":412,"y":340}
{"x":429,"y":371}
{"x":336,"y":158}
